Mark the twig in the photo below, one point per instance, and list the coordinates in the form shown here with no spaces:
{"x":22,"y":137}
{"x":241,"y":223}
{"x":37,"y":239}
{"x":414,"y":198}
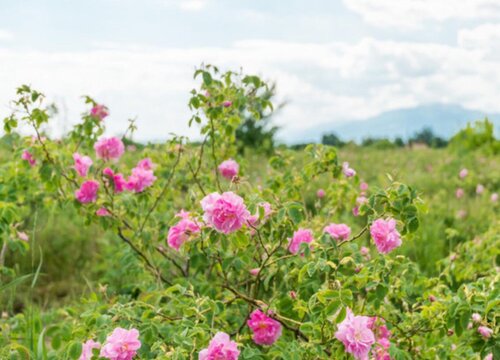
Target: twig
{"x":163,"y":191}
{"x":213,"y":155}
{"x":147,"y":262}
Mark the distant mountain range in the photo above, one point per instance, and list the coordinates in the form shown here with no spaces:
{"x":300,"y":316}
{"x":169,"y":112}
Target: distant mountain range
{"x":444,"y":119}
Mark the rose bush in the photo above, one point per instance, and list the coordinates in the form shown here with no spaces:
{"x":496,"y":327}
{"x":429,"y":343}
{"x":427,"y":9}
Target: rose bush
{"x":232,"y":266}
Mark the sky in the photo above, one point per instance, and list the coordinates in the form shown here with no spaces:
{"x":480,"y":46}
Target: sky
{"x":332,"y":60}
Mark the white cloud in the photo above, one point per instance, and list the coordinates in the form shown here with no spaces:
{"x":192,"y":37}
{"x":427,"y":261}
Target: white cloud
{"x":413,"y":13}
{"x":484,"y":39}
{"x":192,"y":5}
{"x":186,"y":5}
{"x":323,"y":83}
{"x":6,"y":35}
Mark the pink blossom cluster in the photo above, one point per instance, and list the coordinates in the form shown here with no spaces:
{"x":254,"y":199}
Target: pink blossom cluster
{"x":87,"y":348}
{"x":229,"y":169}
{"x":265,"y":329}
{"x":117,"y":181}
{"x":142,"y":176}
{"x":362,"y":335}
{"x":182,"y":231}
{"x":300,"y":236}
{"x":356,"y":334}
{"x":99,"y":111}
{"x":382,"y":336}
{"x":122,"y":344}
{"x":23,"y":236}
{"x":102,"y":211}
{"x":220,"y":348}
{"x":109,"y":148}
{"x":338,"y":232}
{"x":26,"y":155}
{"x":254,"y":219}
{"x":225,"y":212}
{"x":87,"y":192}
{"x":360,"y":200}
{"x":348,"y":172}
{"x":82,"y":164}
{"x":385,"y":235}
{"x":485,"y":331}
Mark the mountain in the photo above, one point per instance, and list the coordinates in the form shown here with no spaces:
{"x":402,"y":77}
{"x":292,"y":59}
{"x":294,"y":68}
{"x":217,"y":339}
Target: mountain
{"x":444,"y":119}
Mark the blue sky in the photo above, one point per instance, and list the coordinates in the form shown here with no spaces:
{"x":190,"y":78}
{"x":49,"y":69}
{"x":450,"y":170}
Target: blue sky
{"x":333,"y":61}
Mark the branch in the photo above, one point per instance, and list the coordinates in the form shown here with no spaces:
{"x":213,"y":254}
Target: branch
{"x":163,"y":191}
{"x":147,"y":262}
{"x":212,"y":135}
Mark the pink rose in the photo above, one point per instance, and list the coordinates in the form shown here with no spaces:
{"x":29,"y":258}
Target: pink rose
{"x":183,"y":214}
{"x":254,"y":272}
{"x":227,"y":103}
{"x":476,"y":317}
{"x":459,"y":193}
{"x":118,"y":181}
{"x":229,"y":169}
{"x":360,"y":200}
{"x":182,"y":232}
{"x":220,"y":348}
{"x":293,"y":295}
{"x":363,"y":186}
{"x":364,"y":251}
{"x":146,"y":164}
{"x":300,"y":236}
{"x":485,"y":331}
{"x":338,"y":231}
{"x":122,"y":344}
{"x":355,"y":333}
{"x":87,"y":348}
{"x":109,"y":148}
{"x":265,"y":329}
{"x":463,"y":173}
{"x":226,"y":213}
{"x":385,"y":235}
{"x":82,"y":164}
{"x":26,"y":155}
{"x":254,"y":220}
{"x":99,"y":111}
{"x":140,"y":179}
{"x":23,"y":236}
{"x":102,"y":211}
{"x":320,"y":193}
{"x":355,"y":211}
{"x":348,"y":172}
{"x":87,"y":192}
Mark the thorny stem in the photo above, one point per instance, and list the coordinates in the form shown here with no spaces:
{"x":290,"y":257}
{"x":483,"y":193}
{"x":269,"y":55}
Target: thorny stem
{"x":163,"y":191}
{"x":212,"y":135}
{"x":146,"y":260}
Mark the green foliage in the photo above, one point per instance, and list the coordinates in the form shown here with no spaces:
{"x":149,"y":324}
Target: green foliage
{"x":477,"y":136}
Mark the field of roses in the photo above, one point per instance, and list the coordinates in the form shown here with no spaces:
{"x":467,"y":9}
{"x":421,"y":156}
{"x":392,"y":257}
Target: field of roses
{"x":112,"y":249}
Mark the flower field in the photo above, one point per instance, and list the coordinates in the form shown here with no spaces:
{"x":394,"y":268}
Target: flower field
{"x":194,"y":249}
